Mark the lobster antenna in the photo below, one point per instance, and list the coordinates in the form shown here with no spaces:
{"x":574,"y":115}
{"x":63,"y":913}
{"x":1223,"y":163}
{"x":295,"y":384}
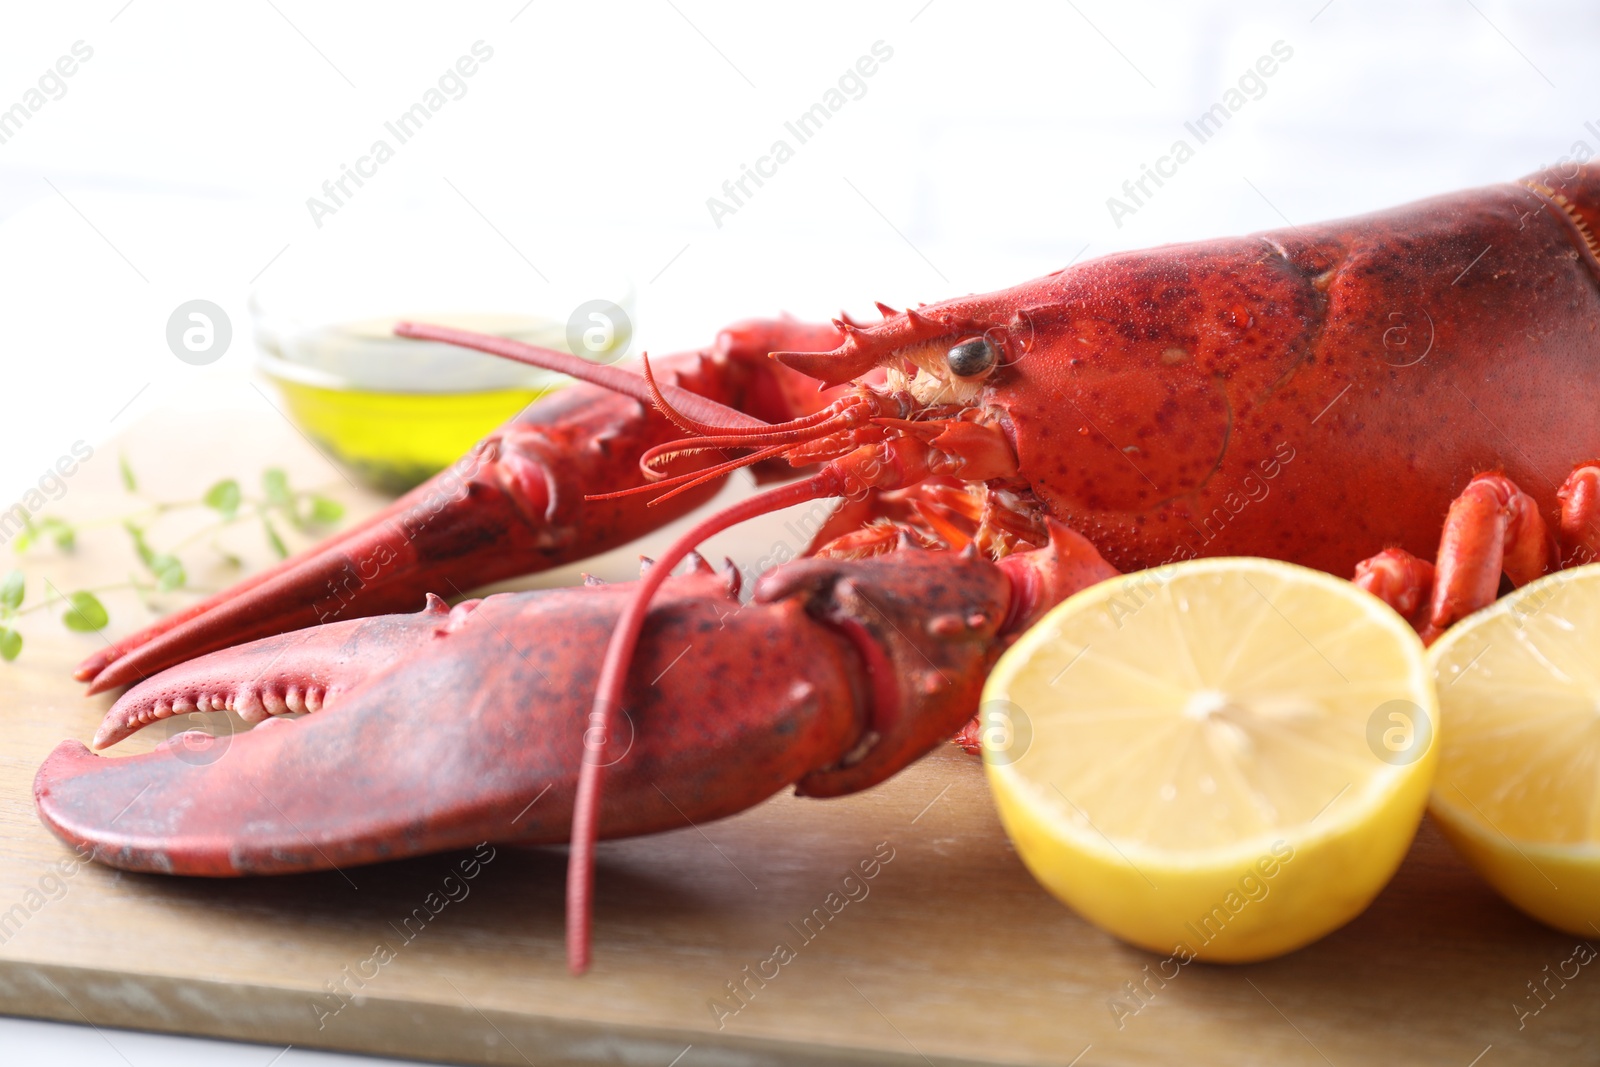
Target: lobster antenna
{"x":680,"y":483}
{"x":613,"y":680}
{"x":708,"y":429}
{"x":613,"y":378}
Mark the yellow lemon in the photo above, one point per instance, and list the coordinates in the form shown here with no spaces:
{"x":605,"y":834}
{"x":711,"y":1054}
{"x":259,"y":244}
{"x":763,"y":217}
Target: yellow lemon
{"x":1518,"y":790}
{"x":1223,"y":759}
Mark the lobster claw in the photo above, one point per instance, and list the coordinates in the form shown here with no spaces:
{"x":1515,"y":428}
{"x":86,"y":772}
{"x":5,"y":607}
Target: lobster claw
{"x":926,"y":627}
{"x":512,"y":505}
{"x":446,"y":728}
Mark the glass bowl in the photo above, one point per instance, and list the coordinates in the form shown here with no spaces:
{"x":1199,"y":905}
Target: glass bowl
{"x":394,"y":411}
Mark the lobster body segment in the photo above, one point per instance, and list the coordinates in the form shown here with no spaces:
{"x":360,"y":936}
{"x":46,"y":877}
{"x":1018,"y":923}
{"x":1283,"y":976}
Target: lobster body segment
{"x":1312,"y":394}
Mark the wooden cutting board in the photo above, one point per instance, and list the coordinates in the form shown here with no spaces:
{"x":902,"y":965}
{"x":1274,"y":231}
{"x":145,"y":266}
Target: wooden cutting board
{"x":949,"y":954}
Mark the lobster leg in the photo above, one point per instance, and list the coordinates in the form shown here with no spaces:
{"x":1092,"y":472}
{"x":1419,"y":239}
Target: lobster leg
{"x":1580,"y":513}
{"x":1399,"y":579}
{"x":1492,"y":528}
{"x":513,"y":505}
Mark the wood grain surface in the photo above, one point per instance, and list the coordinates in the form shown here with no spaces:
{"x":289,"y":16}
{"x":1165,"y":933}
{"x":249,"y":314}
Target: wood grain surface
{"x":949,"y":954}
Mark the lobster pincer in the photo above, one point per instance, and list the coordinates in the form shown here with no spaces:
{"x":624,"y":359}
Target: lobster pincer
{"x":446,"y":727}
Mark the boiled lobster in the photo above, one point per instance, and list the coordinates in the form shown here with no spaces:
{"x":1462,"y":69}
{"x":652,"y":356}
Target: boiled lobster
{"x":1362,"y":396}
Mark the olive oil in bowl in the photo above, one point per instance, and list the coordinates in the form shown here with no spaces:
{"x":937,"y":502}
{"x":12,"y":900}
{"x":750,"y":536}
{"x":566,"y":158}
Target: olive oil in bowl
{"x":395,"y":411}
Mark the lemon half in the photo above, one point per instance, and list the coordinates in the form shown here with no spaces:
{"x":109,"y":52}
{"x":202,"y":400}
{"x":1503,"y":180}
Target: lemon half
{"x":1222,"y":759}
{"x":1518,"y":790}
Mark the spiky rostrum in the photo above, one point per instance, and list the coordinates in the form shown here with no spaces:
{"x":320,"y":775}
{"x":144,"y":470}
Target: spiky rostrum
{"x":914,"y":346}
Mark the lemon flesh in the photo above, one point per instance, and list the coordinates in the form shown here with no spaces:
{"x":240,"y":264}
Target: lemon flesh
{"x":1222,"y":759}
{"x":1518,"y":790}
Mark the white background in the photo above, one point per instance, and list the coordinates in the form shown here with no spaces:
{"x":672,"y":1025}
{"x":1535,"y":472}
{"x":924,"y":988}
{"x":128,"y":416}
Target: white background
{"x":178,"y":163}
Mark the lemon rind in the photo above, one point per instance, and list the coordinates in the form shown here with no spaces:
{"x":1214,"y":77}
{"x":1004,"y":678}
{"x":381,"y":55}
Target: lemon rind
{"x":1139,"y":893}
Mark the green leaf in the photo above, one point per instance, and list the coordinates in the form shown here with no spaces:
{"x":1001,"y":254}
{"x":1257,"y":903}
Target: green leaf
{"x":129,"y":482}
{"x":326,"y":511}
{"x":274,"y":540}
{"x":141,"y":546}
{"x":224,"y":498}
{"x":86,"y":615}
{"x":229,"y":558}
{"x":167,"y":568}
{"x":29,"y":534}
{"x":168,"y":571}
{"x":10,"y":644}
{"x":275,"y":483}
{"x":62,"y":532}
{"x":12,"y":591}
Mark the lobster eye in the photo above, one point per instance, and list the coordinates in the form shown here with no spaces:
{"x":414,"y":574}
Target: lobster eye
{"x":972,"y":358}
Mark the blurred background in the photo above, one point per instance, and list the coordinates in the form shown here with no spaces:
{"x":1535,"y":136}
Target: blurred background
{"x":586,"y":155}
{"x":177,"y":162}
